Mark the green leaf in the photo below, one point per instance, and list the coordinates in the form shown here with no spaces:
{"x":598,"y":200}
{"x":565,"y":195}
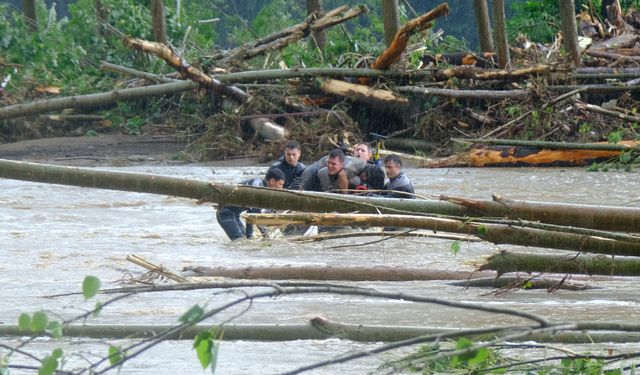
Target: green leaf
{"x":115,"y":355}
{"x":50,"y":363}
{"x":39,"y":322}
{"x":482,"y":230}
{"x":455,"y":247}
{"x":203,"y":350}
{"x":90,"y":286}
{"x":192,"y":315}
{"x":24,"y":322}
{"x":97,"y":309}
{"x":55,"y":329}
{"x":481,"y":356}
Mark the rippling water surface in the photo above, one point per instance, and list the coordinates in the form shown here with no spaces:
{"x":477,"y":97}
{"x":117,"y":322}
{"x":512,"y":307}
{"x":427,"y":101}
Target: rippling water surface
{"x":52,"y":236}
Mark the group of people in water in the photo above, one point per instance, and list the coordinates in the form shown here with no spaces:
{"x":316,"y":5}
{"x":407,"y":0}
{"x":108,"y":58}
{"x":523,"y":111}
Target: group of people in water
{"x":336,"y":172}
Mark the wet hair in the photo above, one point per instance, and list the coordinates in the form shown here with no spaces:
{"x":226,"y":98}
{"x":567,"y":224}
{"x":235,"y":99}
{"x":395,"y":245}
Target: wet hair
{"x":375,"y":177}
{"x":274,"y":173}
{"x":393,"y":158}
{"x":292,"y":145}
{"x":368,"y":146}
{"x":337,"y":153}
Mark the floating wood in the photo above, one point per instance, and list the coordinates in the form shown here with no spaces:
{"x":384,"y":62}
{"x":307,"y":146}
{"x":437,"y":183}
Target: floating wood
{"x":507,"y":261}
{"x":614,"y":218}
{"x":380,"y":273}
{"x":516,"y":282}
{"x":317,"y":329}
{"x":156,"y":269}
{"x":495,"y":233}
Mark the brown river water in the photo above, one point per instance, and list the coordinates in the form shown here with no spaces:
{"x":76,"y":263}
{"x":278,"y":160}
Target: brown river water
{"x":52,"y":236}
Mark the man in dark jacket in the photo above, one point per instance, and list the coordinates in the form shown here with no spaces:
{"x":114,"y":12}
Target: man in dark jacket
{"x":290,"y":165}
{"x":229,"y":216}
{"x":399,"y":183}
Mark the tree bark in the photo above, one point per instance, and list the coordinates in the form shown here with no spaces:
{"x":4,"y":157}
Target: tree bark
{"x":289,"y":272}
{"x":94,"y":100}
{"x":502,"y":45}
{"x":516,"y":282}
{"x":600,"y":146}
{"x":505,"y":262}
{"x":319,"y":36}
{"x":29,"y":9}
{"x":495,"y":233}
{"x":290,"y":35}
{"x":484,"y":95}
{"x":159,"y":23}
{"x":390,"y":19}
{"x":625,"y":219}
{"x":484,"y":25}
{"x":361,"y":92}
{"x":570,"y":30}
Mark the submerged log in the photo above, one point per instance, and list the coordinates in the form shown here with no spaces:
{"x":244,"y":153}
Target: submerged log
{"x":318,"y":329}
{"x":515,"y":282}
{"x":495,"y":233}
{"x":506,"y":261}
{"x":381,"y":273}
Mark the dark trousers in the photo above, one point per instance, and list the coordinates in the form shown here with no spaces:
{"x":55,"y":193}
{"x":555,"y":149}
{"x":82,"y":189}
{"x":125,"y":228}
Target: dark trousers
{"x":230,"y":221}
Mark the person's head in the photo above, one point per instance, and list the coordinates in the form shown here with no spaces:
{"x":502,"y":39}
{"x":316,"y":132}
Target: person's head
{"x":275,"y":178}
{"x":374,"y":177}
{"x":393,"y":166}
{"x":292,"y":152}
{"x":362,"y":151}
{"x":335,"y":161}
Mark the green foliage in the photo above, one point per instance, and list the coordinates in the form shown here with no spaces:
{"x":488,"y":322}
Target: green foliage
{"x":90,"y":286}
{"x":615,"y":136}
{"x":206,"y":345}
{"x":192,"y":315}
{"x":116,"y":355}
{"x":539,"y":20}
{"x":39,"y":322}
{"x":482,"y":230}
{"x":455,"y":247}
{"x":24,"y":322}
{"x":51,"y":362}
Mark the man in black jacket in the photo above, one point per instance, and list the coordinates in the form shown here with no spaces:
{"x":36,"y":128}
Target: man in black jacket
{"x":399,"y":185}
{"x":290,"y":165}
{"x":229,"y":216}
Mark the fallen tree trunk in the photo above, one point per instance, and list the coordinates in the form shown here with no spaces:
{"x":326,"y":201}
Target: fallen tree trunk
{"x":520,"y":156}
{"x":586,"y":216}
{"x":599,"y":146}
{"x":495,"y":233}
{"x":318,"y":329}
{"x":290,"y":35}
{"x":400,"y":41}
{"x":266,"y":128}
{"x":582,"y":216}
{"x":93,"y":100}
{"x":505,"y":262}
{"x":361,"y":92}
{"x":289,"y":272}
{"x":485,"y":95}
{"x":515,"y":282}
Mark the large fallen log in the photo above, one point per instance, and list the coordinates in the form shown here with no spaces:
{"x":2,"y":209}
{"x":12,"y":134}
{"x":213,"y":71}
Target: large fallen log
{"x":505,"y":262}
{"x":263,"y":126}
{"x":290,"y":35}
{"x":317,"y":329}
{"x":521,"y":156}
{"x":93,"y":100}
{"x":626,"y":219}
{"x":495,"y":233}
{"x":289,"y":272}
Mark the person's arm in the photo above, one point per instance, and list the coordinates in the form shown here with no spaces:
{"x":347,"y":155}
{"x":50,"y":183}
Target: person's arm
{"x":342,"y":181}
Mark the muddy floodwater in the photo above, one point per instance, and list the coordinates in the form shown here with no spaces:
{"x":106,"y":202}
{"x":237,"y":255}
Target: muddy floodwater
{"x":52,"y":236}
